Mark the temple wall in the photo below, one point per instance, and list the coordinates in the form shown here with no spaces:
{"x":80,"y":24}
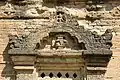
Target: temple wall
{"x":24,"y":26}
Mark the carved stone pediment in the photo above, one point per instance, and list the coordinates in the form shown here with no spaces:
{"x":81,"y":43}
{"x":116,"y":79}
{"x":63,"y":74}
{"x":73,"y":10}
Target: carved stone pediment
{"x":64,"y":31}
{"x":65,"y":43}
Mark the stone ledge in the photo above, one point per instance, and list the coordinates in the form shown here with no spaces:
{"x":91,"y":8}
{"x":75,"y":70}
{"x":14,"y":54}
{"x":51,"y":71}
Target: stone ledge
{"x":97,"y":68}
{"x":24,"y":67}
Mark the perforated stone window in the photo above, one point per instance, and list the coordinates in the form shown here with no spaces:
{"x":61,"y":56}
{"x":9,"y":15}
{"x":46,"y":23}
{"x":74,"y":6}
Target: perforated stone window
{"x":59,"y":75}
{"x":74,"y":75}
{"x":51,"y":75}
{"x":42,"y":75}
{"x":67,"y":75}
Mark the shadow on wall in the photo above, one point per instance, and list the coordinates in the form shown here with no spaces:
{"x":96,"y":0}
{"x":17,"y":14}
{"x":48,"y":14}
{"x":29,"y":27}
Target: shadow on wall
{"x":8,"y":72}
{"x":64,"y":3}
{"x":55,"y":2}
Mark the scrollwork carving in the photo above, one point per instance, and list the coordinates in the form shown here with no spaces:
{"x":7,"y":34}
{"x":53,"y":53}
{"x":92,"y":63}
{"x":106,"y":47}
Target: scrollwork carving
{"x":16,"y":41}
{"x":66,"y":35}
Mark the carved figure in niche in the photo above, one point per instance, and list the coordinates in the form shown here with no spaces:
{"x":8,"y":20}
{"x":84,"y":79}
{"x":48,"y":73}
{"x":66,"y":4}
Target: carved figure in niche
{"x":96,"y":38}
{"x":13,"y":41}
{"x":59,"y":43}
{"x":107,"y":37}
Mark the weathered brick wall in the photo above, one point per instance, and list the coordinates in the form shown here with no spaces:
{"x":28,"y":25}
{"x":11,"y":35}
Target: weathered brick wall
{"x":21,"y":26}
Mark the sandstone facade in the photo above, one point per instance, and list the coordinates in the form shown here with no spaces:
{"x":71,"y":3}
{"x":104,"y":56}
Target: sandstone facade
{"x":23,"y":17}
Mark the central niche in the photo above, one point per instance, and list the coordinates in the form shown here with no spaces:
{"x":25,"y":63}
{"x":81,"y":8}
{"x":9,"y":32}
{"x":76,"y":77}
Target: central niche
{"x":60,"y":57}
{"x":60,"y":41}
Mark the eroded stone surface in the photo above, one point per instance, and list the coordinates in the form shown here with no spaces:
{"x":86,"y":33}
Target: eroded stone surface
{"x":42,"y":27}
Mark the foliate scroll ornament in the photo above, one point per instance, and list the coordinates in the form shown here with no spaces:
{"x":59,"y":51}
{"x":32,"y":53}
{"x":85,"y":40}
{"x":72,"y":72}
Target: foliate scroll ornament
{"x":8,"y":10}
{"x":95,"y":41}
{"x":16,"y":41}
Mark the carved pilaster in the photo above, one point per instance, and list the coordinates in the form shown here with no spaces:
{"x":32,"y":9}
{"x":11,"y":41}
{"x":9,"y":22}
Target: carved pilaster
{"x":24,"y":72}
{"x":22,"y":76}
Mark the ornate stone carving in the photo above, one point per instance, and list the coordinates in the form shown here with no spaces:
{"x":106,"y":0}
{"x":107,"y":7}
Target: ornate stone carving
{"x":89,"y":40}
{"x":64,"y":33}
{"x":91,"y":16}
{"x":59,"y":43}
{"x":60,"y":15}
{"x":7,"y":10}
{"x":107,"y":37}
{"x":30,"y":9}
{"x":94,"y":5}
{"x":17,"y":41}
{"x":115,"y":11}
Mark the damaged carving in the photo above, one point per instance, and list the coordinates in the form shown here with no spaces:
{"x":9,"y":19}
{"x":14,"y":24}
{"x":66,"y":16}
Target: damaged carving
{"x":64,"y":41}
{"x":16,"y":41}
{"x":59,"y":43}
{"x":115,"y":11}
{"x":94,"y":5}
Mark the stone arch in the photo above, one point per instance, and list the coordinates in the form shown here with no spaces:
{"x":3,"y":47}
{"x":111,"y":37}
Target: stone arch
{"x":69,"y":36}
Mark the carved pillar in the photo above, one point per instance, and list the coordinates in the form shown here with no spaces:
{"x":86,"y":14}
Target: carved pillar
{"x":96,"y":73}
{"x":23,"y":66}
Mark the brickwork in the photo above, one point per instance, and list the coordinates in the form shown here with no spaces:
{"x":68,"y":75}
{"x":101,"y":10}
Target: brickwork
{"x":18,"y":26}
